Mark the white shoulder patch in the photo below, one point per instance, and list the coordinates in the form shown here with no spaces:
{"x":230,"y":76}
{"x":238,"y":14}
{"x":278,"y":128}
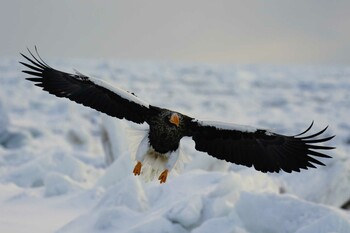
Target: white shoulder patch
{"x":228,"y":126}
{"x":122,"y":93}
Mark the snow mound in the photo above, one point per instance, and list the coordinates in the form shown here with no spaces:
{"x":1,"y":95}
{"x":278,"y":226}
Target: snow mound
{"x":336,"y":191}
{"x":10,"y":137}
{"x":206,"y":202}
{"x":4,"y":120}
{"x":284,"y":213}
{"x":57,"y":184}
{"x":187,"y":213}
{"x":34,"y":173}
{"x":128,"y":193}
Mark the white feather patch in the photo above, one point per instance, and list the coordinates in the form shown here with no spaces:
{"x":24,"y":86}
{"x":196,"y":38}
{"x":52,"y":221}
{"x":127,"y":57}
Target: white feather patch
{"x":122,"y":93}
{"x":153,"y":165}
{"x":228,"y":126}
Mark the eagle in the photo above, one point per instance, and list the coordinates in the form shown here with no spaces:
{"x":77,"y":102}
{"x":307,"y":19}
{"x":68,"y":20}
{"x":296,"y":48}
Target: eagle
{"x":263,"y":149}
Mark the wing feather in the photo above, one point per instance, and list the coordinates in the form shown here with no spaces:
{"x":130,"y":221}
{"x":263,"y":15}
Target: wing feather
{"x":263,"y":149}
{"x":88,"y":91}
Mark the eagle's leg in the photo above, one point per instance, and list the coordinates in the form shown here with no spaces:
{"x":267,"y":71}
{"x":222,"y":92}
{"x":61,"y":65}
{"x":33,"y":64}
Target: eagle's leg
{"x":172,"y":159}
{"x":163,"y":176}
{"x":140,"y":155}
{"x":137,"y":168}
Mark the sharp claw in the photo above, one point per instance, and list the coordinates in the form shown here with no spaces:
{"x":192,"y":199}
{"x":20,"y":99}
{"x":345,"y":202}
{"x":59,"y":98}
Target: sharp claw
{"x":137,"y":168}
{"x":163,"y":176}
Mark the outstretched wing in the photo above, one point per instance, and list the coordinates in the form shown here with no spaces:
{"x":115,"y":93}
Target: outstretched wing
{"x":265,"y":150}
{"x":85,"y":90}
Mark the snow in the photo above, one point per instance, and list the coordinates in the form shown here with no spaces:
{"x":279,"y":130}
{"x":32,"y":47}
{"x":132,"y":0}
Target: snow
{"x":67,"y":168}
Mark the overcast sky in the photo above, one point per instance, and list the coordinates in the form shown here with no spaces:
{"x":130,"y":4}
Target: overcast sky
{"x":216,"y":31}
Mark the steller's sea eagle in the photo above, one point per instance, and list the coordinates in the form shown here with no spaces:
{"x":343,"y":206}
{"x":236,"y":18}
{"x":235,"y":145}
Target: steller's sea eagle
{"x":265,"y":150}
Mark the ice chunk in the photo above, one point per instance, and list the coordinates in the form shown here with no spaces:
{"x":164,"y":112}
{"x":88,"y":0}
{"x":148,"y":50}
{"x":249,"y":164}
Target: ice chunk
{"x":329,"y":184}
{"x":128,"y":192}
{"x":115,"y":218}
{"x":4,"y":120}
{"x":122,"y":219}
{"x":33,"y":173}
{"x":283,"y":213}
{"x":222,"y":225}
{"x":208,"y":163}
{"x":10,"y":137}
{"x":187,"y":213}
{"x":119,"y":170}
{"x":78,"y":137}
{"x":113,"y":139}
{"x":157,"y":225}
{"x":13,"y":138}
{"x":57,"y":184}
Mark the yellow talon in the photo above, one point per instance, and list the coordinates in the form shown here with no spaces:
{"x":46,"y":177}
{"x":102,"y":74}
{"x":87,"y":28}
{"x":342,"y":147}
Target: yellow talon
{"x":163,"y":176}
{"x":137,"y":168}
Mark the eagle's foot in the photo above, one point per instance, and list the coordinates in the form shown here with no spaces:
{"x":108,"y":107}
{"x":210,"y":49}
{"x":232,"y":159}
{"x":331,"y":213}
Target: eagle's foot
{"x":163,"y":176}
{"x":137,"y":168}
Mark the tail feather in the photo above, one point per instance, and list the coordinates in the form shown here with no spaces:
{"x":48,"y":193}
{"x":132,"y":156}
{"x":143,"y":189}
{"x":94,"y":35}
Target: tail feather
{"x":153,"y":165}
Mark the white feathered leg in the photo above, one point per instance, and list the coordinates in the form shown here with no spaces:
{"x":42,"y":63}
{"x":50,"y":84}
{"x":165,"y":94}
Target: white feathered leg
{"x":140,"y":155}
{"x":172,"y":159}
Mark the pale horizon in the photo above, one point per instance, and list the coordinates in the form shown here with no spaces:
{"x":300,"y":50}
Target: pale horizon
{"x":242,"y":32}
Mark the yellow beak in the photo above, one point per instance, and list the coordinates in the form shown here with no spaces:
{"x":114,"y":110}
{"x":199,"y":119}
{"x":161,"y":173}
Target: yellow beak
{"x":175,"y":119}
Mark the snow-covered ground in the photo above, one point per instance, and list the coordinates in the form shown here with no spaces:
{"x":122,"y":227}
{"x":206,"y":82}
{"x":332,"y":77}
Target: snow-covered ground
{"x":57,"y":175}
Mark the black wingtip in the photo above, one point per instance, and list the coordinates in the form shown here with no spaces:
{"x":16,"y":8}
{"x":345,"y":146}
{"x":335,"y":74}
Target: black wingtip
{"x":33,"y":62}
{"x":319,"y":140}
{"x":34,"y":79}
{"x":32,"y":73}
{"x":37,"y":53}
{"x":32,"y":67}
{"x":312,"y":123}
{"x":40,"y":61}
{"x":314,"y":135}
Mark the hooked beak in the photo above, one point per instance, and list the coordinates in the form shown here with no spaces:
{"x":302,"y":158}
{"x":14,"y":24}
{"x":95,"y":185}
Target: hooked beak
{"x":175,"y":119}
